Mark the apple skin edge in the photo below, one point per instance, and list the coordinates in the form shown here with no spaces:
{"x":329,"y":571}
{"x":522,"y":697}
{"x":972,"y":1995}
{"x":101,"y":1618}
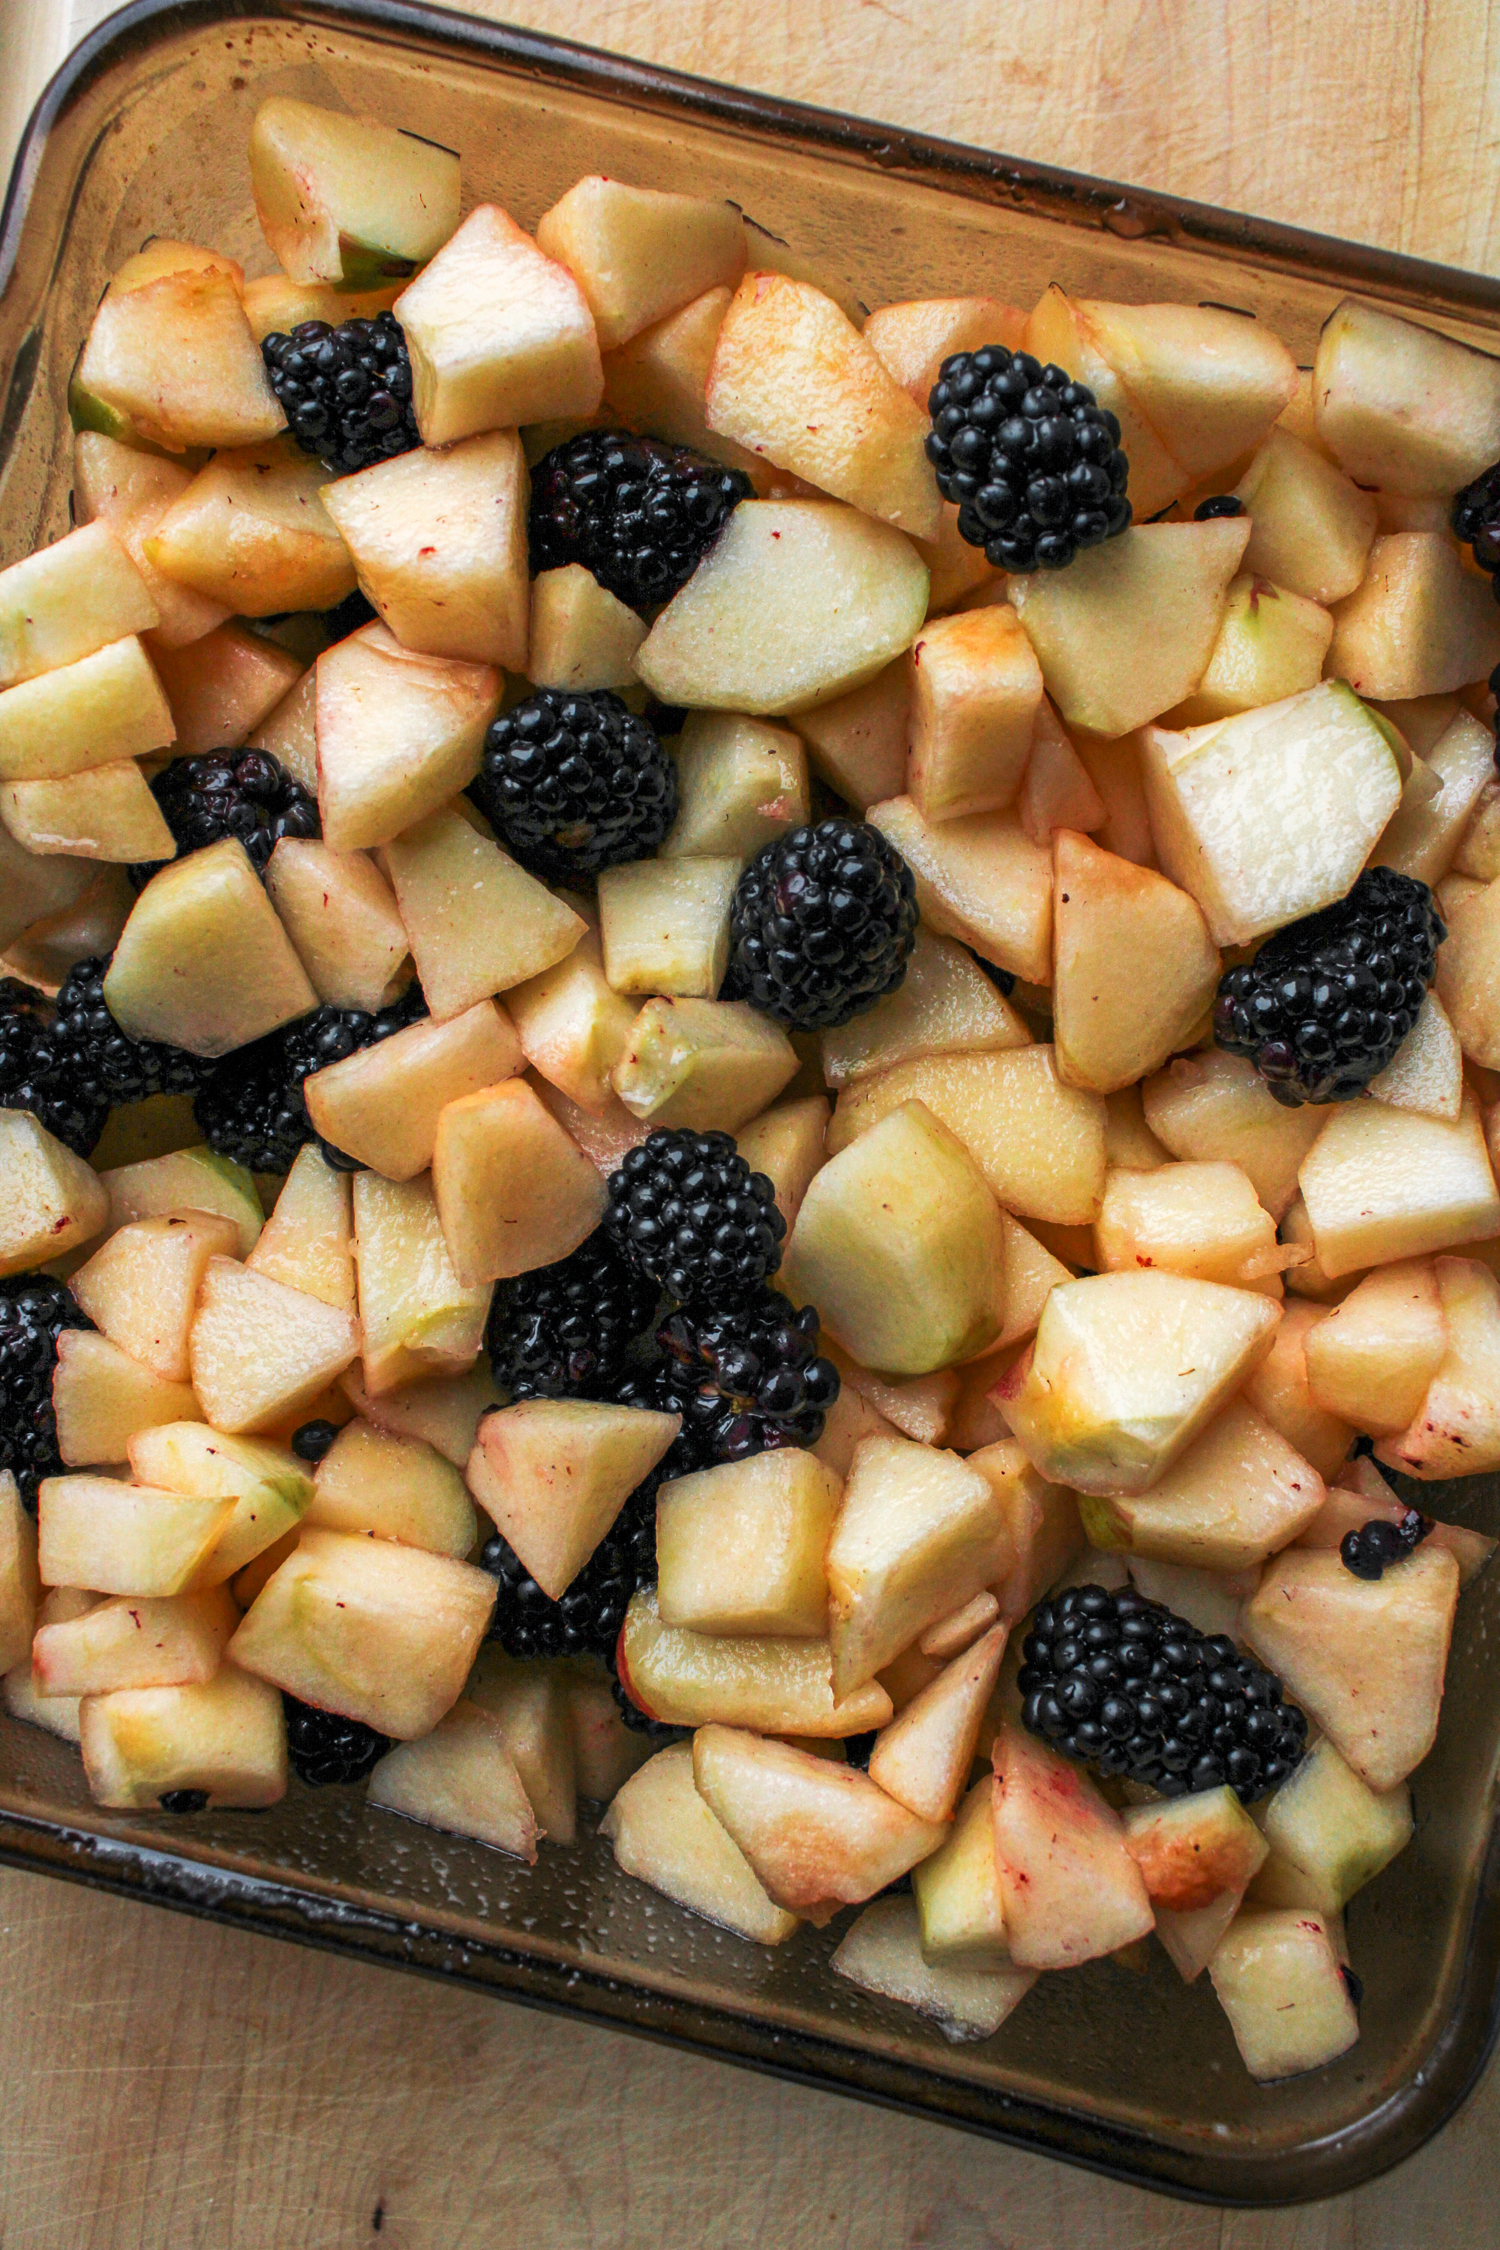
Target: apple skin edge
{"x":622,"y":1673}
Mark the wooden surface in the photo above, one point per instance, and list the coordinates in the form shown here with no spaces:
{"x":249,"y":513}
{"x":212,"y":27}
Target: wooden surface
{"x":168,"y":2086}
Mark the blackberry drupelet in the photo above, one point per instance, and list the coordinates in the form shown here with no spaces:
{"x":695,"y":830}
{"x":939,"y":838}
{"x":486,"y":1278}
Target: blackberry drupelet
{"x":34,"y":1311}
{"x":1032,"y":461}
{"x":640,"y":514}
{"x":324,"y":1746}
{"x":574,"y":783}
{"x":821,"y":925}
{"x":690,"y":1215}
{"x":39,"y":1073}
{"x":311,"y":1440}
{"x":563,"y":1331}
{"x":1124,"y":1684}
{"x":346,"y":391}
{"x":1370,"y":1551}
{"x":184,"y":1800}
{"x":1475,"y":518}
{"x":246,"y":794}
{"x":105,"y":1057}
{"x":347,"y":616}
{"x":746,"y":1378}
{"x":1218,"y":504}
{"x":1326,"y":1002}
{"x":250,"y":1106}
{"x":657,"y":1731}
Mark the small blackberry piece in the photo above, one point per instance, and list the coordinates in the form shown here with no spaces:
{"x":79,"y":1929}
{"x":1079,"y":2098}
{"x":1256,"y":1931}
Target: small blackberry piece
{"x":1370,"y":1551}
{"x":105,"y":1057}
{"x":346,"y":392}
{"x":39,"y":1072}
{"x":857,"y":1749}
{"x":1218,"y":504}
{"x":246,"y":794}
{"x":1030,"y":458}
{"x":1326,"y":1002}
{"x":638,"y":513}
{"x":34,"y":1311}
{"x":311,"y":1440}
{"x":746,"y":1378}
{"x":250,"y":1106}
{"x":574,"y":783}
{"x":690,"y":1215}
{"x":1135,"y":1691}
{"x":347,"y":616}
{"x":657,"y":1731}
{"x":184,"y":1800}
{"x":324,"y":1747}
{"x":562,"y":1331}
{"x":822,"y":925}
{"x":1475,"y":517}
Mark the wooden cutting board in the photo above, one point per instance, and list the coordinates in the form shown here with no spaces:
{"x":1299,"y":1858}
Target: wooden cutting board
{"x":168,"y":2086}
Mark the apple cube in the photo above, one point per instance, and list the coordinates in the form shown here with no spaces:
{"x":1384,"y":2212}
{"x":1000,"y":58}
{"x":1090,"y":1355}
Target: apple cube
{"x":858,"y":741}
{"x":173,"y":364}
{"x":639,"y":254}
{"x":664,"y":1834}
{"x":259,"y":1350}
{"x":439,"y":542}
{"x":1134,"y":970}
{"x":922,"y":1758}
{"x":397,"y":735}
{"x":1271,"y":815}
{"x":1125,"y":1371}
{"x":135,"y":1642}
{"x":980,"y":880}
{"x":50,"y":1200}
{"x":101,"y":1398}
{"x":1238,"y":1494}
{"x":203,"y":960}
{"x":141,"y":1287}
{"x":961,"y":1629}
{"x":271,"y":1489}
{"x":33,"y":890}
{"x":1469,"y":974}
{"x":443,"y":1412}
{"x":462,"y":1779}
{"x":581,"y":636}
{"x":1424,"y":836}
{"x":958,"y":1890}
{"x":1426,"y":1072}
{"x":740,"y":1548}
{"x":225,"y":1737}
{"x":743,"y":783}
{"x":123,"y":1538}
{"x":381,"y":1633}
{"x":768,"y":1682}
{"x":1365,"y":1659}
{"x":1454,"y":1429}
{"x":1114,"y":769}
{"x":498,"y":334}
{"x":1418,"y":624}
{"x":346,"y":200}
{"x":1202,"y":1220}
{"x":664,"y":924}
{"x":919,"y":1406}
{"x":555,"y":1473}
{"x":1371,"y":1358}
{"x":477,"y":923}
{"x":1056,"y":791}
{"x":1279,"y":1980}
{"x":340,"y":914}
{"x":221,"y":685}
{"x":416,"y":1317}
{"x":130,"y":492}
{"x":513,"y":1191}
{"x":798,"y":601}
{"x":1335,"y":1832}
{"x":1280,"y":1391}
{"x":93,"y":712}
{"x":1192,"y":1850}
{"x":708,"y":1064}
{"x":1210,"y":382}
{"x":976,"y":692}
{"x":69,"y":599}
{"x":572,"y":1026}
{"x":190,"y":1179}
{"x":1271,"y":645}
{"x":818,"y":1835}
{"x":251,"y":533}
{"x":382,"y":1104}
{"x":394,"y":1488}
{"x":912,"y":339}
{"x":20,"y":1587}
{"x":785,"y":1144}
{"x":1402,"y":406}
{"x":1311,"y":528}
{"x":850,"y":1418}
{"x":1213,"y":1107}
{"x":1382,"y":1184}
{"x":530,"y":1703}
{"x":1127,"y":632}
{"x":606,"y":1752}
{"x":1061,"y":330}
{"x":659,"y":382}
{"x":945,"y":1004}
{"x":1069,"y":1887}
{"x":883,"y":1953}
{"x":275,"y":304}
{"x":106,"y":813}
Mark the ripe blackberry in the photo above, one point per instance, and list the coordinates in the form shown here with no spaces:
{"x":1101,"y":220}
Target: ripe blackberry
{"x":311,"y":1440}
{"x":745,"y":1378}
{"x":573,"y":783}
{"x":183,"y":1800}
{"x":821,"y":925}
{"x":1326,"y":1002}
{"x":1033,"y":462}
{"x":347,"y":616}
{"x":688,"y":1212}
{"x":1475,"y":518}
{"x":587,"y":1619}
{"x":657,"y":1731}
{"x":1218,"y":504}
{"x":324,"y":1746}
{"x":250,"y":1106}
{"x":246,"y":794}
{"x":563,"y":1330}
{"x":638,"y":513}
{"x":40,"y":1074}
{"x":345,"y":391}
{"x":1134,"y":1690}
{"x":103,"y":1056}
{"x":34,"y":1311}
{"x":1370,"y":1551}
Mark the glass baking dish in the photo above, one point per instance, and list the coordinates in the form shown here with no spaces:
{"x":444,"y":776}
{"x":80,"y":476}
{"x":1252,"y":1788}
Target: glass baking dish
{"x":144,"y":132}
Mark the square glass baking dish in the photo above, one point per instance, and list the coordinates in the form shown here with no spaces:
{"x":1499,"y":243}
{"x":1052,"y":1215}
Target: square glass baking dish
{"x":144,"y":132}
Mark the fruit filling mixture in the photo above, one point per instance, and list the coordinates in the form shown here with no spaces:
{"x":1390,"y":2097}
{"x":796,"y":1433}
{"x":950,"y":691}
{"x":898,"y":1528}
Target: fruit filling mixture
{"x":749,"y":1069}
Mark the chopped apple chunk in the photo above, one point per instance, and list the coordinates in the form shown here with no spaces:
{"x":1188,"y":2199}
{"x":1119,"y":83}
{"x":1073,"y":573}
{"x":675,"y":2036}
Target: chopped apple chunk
{"x":883,"y":1953}
{"x":914,"y":338}
{"x":476,"y":921}
{"x":1311,"y":528}
{"x":1454,"y":1428}
{"x":1237,"y":1494}
{"x":259,"y":1350}
{"x":1213,"y":1107}
{"x":270,"y":1488}
{"x":1371,"y":1358}
{"x":69,"y":599}
{"x":417,"y":1319}
{"x":639,"y":254}
{"x":1193,"y":1849}
{"x":106,"y":813}
{"x":131,"y":492}
{"x":382,"y":1103}
{"x":513,"y":1191}
{"x":922,"y":1758}
{"x":395,"y":1488}
{"x":1382,"y":1184}
{"x":222,"y":685}
{"x":581,"y":636}
{"x":123,"y":1538}
{"x":1418,"y":623}
{"x":741,"y":1547}
{"x":664,"y":925}
{"x":397,"y":735}
{"x":50,"y":1200}
{"x":1402,"y":406}
{"x":1271,"y":645}
{"x":664,"y":1834}
{"x":554,"y":1474}
{"x":858,"y":741}
{"x":462,"y":1779}
{"x":1280,"y":1390}
{"x":1279,"y":1980}
{"x":339,"y":912}
{"x":93,"y":712}
{"x":708,"y":1064}
{"x":1333,"y":1830}
{"x":1134,"y":966}
{"x":172,"y":363}
{"x":743,"y":784}
{"x":659,"y":382}
{"x":976,"y":692}
{"x":252,"y":533}
{"x":1069,"y":1887}
{"x":224,"y":1738}
{"x":1202,"y":1220}
{"x":945,"y":1004}
{"x":141,"y":1288}
{"x":347,"y":200}
{"x":203,"y":961}
{"x":135,"y":1641}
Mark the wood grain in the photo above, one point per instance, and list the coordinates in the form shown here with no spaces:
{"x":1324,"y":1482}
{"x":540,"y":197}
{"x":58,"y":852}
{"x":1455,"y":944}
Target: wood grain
{"x":165,"y":2085}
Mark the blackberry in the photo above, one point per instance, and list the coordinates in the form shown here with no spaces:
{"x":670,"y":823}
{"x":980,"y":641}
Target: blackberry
{"x":1475,"y":518}
{"x":1326,"y":1002}
{"x":1032,"y":461}
{"x":573,"y":783}
{"x":345,"y":391}
{"x":562,"y":1331}
{"x":105,"y":1057}
{"x":821,"y":925}
{"x":34,"y":1311}
{"x":38,"y":1073}
{"x":184,"y":1800}
{"x":746,"y":1378}
{"x":1134,"y":1690}
{"x":657,"y":1731}
{"x":1218,"y":504}
{"x":324,"y":1746}
{"x":586,"y":1620}
{"x":638,"y":513}
{"x":690,"y":1215}
{"x":250,"y":1106}
{"x":347,"y":616}
{"x":246,"y":794}
{"x":1370,"y":1551}
{"x":311,"y":1440}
